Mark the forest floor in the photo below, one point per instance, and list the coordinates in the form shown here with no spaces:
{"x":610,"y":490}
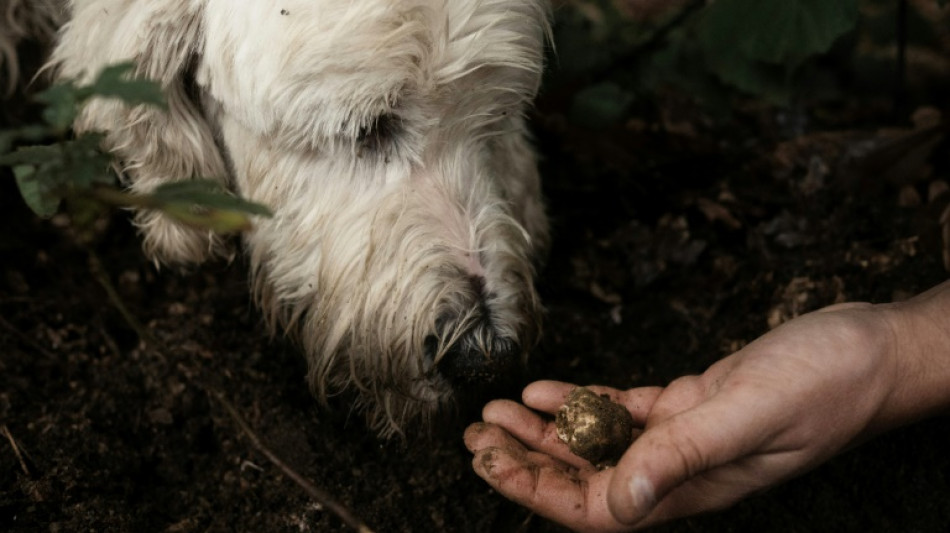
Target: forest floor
{"x":674,"y":244}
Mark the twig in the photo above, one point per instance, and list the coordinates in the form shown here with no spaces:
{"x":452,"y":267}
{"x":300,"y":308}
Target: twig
{"x":16,"y":449}
{"x":654,"y":41}
{"x":316,"y":493}
{"x":96,"y":266}
{"x":29,"y":487}
{"x":108,"y":339}
{"x":900,"y":83}
{"x":26,"y":339}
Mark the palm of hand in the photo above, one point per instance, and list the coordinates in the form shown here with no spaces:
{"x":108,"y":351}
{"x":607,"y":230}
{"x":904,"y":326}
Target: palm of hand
{"x":776,"y":408}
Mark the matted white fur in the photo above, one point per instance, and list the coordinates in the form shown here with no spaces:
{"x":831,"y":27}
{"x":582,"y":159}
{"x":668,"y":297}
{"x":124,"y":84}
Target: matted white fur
{"x":387,"y":136}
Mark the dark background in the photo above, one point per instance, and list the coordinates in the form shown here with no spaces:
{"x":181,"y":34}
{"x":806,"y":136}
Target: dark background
{"x":687,"y":219}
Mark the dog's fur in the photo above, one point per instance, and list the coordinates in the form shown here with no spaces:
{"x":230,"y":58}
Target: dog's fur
{"x":22,"y":20}
{"x":387,"y":136}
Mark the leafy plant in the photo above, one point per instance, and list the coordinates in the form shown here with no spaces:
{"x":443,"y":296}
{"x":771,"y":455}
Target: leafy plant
{"x":74,"y":168}
{"x":707,"y":49}
{"x":743,"y":39}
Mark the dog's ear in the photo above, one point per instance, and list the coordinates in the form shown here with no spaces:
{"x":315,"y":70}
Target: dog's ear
{"x":163,"y":39}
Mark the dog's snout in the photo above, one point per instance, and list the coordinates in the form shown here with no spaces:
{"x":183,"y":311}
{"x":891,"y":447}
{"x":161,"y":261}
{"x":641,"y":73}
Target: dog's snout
{"x":473,"y":362}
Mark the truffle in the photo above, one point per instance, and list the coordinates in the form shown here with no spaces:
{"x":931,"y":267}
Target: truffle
{"x":594,"y":427}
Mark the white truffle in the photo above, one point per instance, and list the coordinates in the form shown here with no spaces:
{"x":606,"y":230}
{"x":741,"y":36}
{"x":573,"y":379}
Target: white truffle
{"x":594,"y":427}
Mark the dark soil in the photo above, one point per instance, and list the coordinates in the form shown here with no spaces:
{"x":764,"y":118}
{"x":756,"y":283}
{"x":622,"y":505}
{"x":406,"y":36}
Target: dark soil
{"x":670,"y":251}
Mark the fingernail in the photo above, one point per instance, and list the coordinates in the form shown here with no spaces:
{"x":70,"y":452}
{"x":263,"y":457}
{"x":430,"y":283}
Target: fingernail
{"x":487,"y":461}
{"x":477,"y":427}
{"x":642,"y":493}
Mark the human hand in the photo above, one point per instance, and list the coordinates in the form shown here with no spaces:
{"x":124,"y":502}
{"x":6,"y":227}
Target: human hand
{"x":776,"y":408}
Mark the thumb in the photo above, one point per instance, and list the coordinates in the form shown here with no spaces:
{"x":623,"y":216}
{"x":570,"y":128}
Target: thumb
{"x":678,"y":449}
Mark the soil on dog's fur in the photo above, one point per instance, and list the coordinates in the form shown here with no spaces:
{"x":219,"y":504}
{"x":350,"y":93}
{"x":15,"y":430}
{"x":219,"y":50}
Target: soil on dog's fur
{"x":670,"y":251}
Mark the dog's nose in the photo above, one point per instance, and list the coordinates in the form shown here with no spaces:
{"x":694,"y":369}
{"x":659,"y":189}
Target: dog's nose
{"x":471,"y":362}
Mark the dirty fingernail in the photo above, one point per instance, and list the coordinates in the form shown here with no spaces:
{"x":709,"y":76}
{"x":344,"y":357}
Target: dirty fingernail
{"x":642,"y":494}
{"x":485,"y":461}
{"x":476,"y":428}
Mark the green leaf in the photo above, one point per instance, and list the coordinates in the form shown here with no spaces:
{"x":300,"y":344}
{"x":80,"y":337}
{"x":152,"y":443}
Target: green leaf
{"x":33,"y":133}
{"x":777,"y":31}
{"x":77,"y":168}
{"x":207,"y":194}
{"x":756,"y":45}
{"x":37,"y":196}
{"x":600,"y":105}
{"x":217,"y":220}
{"x":31,"y":155}
{"x":118,"y":81}
{"x":63,"y":100}
{"x":87,"y":165}
{"x":769,"y":82}
{"x":62,"y":105}
{"x":89,"y":171}
{"x":203,"y":204}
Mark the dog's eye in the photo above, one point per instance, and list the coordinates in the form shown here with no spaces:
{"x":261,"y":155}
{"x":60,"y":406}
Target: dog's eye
{"x":378,"y":133}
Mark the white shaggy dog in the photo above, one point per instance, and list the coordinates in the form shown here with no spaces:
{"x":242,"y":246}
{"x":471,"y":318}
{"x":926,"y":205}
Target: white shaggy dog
{"x":388,"y":138}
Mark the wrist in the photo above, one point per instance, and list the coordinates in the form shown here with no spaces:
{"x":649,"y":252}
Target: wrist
{"x":919,"y":343}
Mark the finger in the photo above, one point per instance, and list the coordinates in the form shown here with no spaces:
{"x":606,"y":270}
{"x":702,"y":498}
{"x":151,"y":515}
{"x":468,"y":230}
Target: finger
{"x":680,"y":395}
{"x":715,"y":491}
{"x":846,"y":306}
{"x":549,"y":396}
{"x":482,"y":435}
{"x":532,"y":430}
{"x":684,"y":446}
{"x":639,"y":401}
{"x":695,"y":496}
{"x":576,"y":502}
{"x":546,"y":396}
